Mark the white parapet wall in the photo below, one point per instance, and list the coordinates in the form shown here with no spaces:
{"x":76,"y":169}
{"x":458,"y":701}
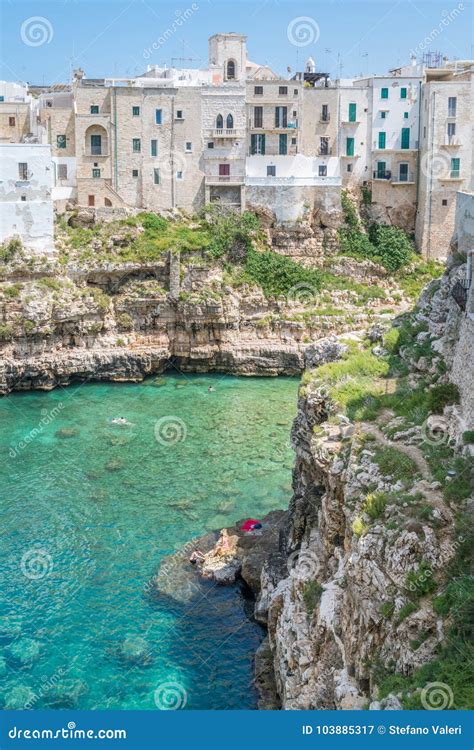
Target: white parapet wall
{"x":26,"y":205}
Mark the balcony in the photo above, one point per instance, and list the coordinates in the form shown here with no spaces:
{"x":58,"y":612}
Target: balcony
{"x":224,"y":179}
{"x":226,"y":133}
{"x":451,"y":141}
{"x":382,"y":174}
{"x":270,"y":180}
{"x":325,"y":151}
{"x":325,"y":118}
{"x":95,"y":152}
{"x":454,"y":175}
{"x":403,"y":179}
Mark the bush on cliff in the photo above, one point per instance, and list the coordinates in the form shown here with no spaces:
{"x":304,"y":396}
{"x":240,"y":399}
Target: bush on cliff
{"x":279,"y":275}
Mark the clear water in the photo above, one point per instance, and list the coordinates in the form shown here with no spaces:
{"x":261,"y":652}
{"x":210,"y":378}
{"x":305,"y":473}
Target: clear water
{"x":89,"y":509}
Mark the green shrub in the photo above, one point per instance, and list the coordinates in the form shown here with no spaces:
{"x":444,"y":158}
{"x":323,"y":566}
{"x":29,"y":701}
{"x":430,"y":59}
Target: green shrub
{"x":406,"y":610}
{"x":420,"y":582}
{"x":359,"y":527}
{"x":12,"y":291}
{"x":153,"y":222}
{"x":279,"y":275}
{"x":387,"y":609}
{"x":349,"y":211}
{"x":10,"y":248}
{"x":442,"y":395}
{"x":49,"y":283}
{"x":396,"y":464}
{"x":312,"y":591}
{"x":375,"y":504}
{"x":468,"y":437}
{"x":125,"y":322}
{"x":6,"y":333}
{"x":392,"y":246}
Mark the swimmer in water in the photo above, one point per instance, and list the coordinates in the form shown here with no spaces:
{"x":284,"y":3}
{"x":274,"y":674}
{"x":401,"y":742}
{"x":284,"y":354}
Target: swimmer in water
{"x":120,"y":420}
{"x":211,"y":389}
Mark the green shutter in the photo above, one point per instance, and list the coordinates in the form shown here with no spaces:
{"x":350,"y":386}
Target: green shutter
{"x":384,"y":93}
{"x":455,"y":167}
{"x":352,"y":112}
{"x":380,"y":169}
{"x":349,"y":147}
{"x":405,"y":137}
{"x":382,"y":139}
{"x":283,"y":144}
{"x":403,"y":93}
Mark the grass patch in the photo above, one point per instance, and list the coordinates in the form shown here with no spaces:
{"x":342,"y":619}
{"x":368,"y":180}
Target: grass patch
{"x":375,"y":504}
{"x":311,"y":595}
{"x":396,"y":464}
{"x":442,"y":395}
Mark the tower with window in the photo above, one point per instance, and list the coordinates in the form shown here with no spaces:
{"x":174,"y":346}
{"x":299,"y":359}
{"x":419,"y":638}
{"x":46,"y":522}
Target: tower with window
{"x":228,"y":57}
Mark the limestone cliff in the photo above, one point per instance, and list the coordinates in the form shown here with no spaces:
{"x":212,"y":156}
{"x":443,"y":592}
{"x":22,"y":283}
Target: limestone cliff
{"x":375,"y":542}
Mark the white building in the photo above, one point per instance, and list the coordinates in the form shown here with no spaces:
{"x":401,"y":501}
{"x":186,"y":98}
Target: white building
{"x":26,"y":206}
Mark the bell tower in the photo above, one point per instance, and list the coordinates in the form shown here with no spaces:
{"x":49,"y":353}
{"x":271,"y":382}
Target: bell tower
{"x":228,"y":57}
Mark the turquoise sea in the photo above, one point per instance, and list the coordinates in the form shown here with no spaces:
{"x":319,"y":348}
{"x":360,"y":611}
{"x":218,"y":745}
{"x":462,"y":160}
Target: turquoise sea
{"x":89,"y":509}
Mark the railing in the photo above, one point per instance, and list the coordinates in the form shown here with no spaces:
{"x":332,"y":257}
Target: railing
{"x":325,"y":118}
{"x":382,"y":174}
{"x":95,"y":152}
{"x":225,"y":133}
{"x":325,"y":151}
{"x":293,"y":181}
{"x":402,"y":178}
{"x":229,"y":178}
{"x":451,"y":140}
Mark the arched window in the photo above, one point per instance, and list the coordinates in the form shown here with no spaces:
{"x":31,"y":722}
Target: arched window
{"x":230,"y":70}
{"x":229,"y":122}
{"x":219,"y":122}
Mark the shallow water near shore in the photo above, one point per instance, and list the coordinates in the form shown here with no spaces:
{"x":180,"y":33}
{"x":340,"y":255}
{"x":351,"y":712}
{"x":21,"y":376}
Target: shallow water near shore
{"x":89,"y":509}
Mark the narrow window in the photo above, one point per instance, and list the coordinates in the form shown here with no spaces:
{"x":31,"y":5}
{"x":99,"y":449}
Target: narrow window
{"x":134,"y":172}
{"x":189,"y":146}
{"x":384,"y":93}
{"x":323,"y":170}
{"x":156,"y":176}
{"x":154,"y":147}
{"x":283,"y":144}
{"x":230,"y":70}
{"x":257,"y":144}
{"x":136,"y":145}
{"x":352,"y":112}
{"x":23,"y":171}
{"x":349,"y":147}
{"x":258,"y":90}
{"x":282,"y":90}
{"x":23,"y":197}
{"x":61,"y":141}
{"x":452,"y":106}
{"x":349,"y":167}
{"x":179,"y":114}
{"x":382,"y":139}
{"x":11,"y":122}
{"x":96,"y":145}
{"x":95,"y":173}
{"x":455,"y":168}
{"x":405,"y":115}
{"x":229,"y":123}
{"x":91,"y":200}
{"x":403,"y":172}
{"x":403,"y":93}
{"x":136,"y":111}
{"x":271,"y":170}
{"x":62,"y":171}
{"x":383,"y":114}
{"x":405,"y":139}
{"x":224,"y":170}
{"x":281,"y":117}
{"x":94,"y":109}
{"x":381,"y":172}
{"x":324,"y":146}
{"x":258,"y":117}
{"x":324,"y":113}
{"x":158,"y":118}
{"x":219,"y":122}
{"x":179,"y":175}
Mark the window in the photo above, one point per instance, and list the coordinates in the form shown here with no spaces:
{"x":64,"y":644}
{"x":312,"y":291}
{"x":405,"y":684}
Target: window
{"x":444,"y":202}
{"x":322,"y":170}
{"x":403,"y":92}
{"x":2,"y":98}
{"x":452,"y":105}
{"x":381,"y":170}
{"x":224,"y":170}
{"x":230,"y":70}
{"x":295,"y":92}
{"x":271,"y":170}
{"x":23,"y":171}
{"x":283,"y":144}
{"x":349,"y":167}
{"x":219,"y":122}
{"x":136,"y":145}
{"x":23,"y":197}
{"x":189,"y":146}
{"x":352,"y":112}
{"x":403,"y":172}
{"x":210,"y":144}
{"x":134,"y":172}
{"x":179,"y":175}
{"x":281,"y":117}
{"x":455,"y":168}
{"x":405,"y":139}
{"x":96,"y":145}
{"x":258,"y":117}
{"x":61,"y":141}
{"x":258,"y":90}
{"x":91,"y":200}
{"x":11,"y":122}
{"x":405,"y":115}
{"x":107,"y":202}
{"x":154,"y":147}
{"x":94,"y":109}
{"x":229,"y":123}
{"x":383,"y":114}
{"x":293,"y":141}
{"x":158,"y":118}
{"x":179,"y":114}
{"x":382,"y":139}
{"x":295,"y":113}
{"x":156,"y":176}
{"x":257,"y":144}
{"x":324,"y":113}
{"x":136,"y":111}
{"x":62,"y":171}
{"x":451,"y":128}
{"x":324,"y":146}
{"x":282,"y":90}
{"x":384,"y":93}
{"x":95,"y":173}
{"x":349,"y":147}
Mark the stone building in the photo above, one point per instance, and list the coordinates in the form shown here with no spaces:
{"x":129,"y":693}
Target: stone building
{"x":26,"y":206}
{"x":446,"y":153}
{"x":15,"y":112}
